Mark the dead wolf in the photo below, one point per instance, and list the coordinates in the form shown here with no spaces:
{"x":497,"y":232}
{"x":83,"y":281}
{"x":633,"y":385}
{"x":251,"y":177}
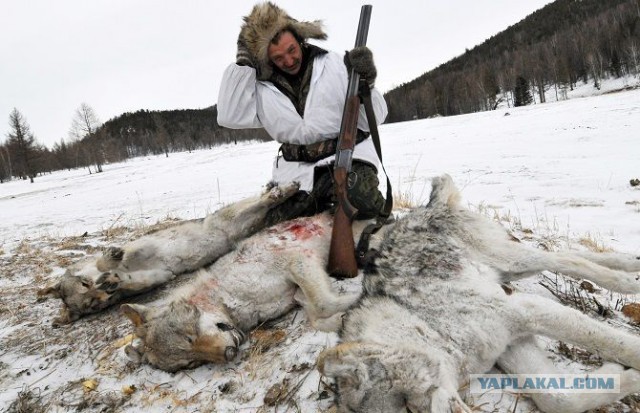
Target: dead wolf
{"x":265,"y":277}
{"x":95,"y":283}
{"x":433,"y":312}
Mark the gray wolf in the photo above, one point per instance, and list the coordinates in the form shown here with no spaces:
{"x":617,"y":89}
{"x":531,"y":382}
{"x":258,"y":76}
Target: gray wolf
{"x":95,"y":283}
{"x":433,"y":312}
{"x":265,"y":277}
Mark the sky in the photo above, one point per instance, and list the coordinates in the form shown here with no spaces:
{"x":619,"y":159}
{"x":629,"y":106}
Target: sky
{"x":556,"y":174}
{"x":121,"y":55}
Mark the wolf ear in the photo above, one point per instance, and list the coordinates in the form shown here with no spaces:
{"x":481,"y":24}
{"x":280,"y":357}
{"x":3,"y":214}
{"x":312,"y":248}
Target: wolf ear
{"x":52,"y":291}
{"x":137,"y":313}
{"x":64,"y":317}
{"x":338,"y":363}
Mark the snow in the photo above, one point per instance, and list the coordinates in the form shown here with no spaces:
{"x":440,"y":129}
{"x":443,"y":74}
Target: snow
{"x":560,"y":170}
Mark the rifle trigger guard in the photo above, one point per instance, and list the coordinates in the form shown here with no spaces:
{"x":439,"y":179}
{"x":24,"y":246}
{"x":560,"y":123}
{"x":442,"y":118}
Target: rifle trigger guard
{"x":352,"y":178}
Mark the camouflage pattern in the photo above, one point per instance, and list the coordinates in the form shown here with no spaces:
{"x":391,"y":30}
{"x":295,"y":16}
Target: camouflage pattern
{"x":308,"y":153}
{"x":363,"y":194}
{"x":315,"y":151}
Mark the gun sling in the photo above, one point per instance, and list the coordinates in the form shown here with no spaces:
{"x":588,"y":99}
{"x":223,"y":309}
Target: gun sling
{"x":362,"y":250}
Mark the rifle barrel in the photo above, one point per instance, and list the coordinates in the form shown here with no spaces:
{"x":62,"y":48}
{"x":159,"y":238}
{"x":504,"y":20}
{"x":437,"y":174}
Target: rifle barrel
{"x":361,"y":40}
{"x":342,"y":258}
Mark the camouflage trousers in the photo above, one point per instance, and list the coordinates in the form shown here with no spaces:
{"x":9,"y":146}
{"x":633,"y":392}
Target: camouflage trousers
{"x":363,"y":194}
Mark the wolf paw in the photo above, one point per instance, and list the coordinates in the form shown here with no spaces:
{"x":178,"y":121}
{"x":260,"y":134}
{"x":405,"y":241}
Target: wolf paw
{"x":270,"y":185}
{"x":110,"y":259}
{"x":279,"y":193}
{"x":108,"y":282}
{"x":113,"y":253}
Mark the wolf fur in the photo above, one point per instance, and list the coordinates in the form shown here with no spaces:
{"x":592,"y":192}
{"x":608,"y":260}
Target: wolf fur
{"x":95,"y":283}
{"x":265,"y":277}
{"x":264,"y":22}
{"x":433,"y":312}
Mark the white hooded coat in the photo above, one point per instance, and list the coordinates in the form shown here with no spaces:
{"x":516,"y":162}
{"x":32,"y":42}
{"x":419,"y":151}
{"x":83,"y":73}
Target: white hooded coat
{"x":245,"y":102}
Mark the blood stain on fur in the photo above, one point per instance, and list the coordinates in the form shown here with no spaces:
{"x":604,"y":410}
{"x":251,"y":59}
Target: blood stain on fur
{"x":201,"y":298}
{"x":303,"y":230}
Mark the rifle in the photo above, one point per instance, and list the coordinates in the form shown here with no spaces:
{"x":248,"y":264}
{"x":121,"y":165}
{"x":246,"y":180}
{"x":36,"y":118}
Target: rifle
{"x":342,"y":257}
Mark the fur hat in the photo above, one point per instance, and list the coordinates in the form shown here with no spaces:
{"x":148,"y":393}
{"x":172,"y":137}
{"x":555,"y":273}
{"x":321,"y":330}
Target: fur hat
{"x":264,"y":22}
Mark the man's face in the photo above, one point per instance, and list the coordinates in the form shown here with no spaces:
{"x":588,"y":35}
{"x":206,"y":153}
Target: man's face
{"x":286,"y":54}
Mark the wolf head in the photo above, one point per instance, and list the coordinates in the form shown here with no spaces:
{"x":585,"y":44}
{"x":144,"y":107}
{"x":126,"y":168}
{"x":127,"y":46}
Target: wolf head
{"x":362,"y":381}
{"x":261,"y":26}
{"x":377,"y":379}
{"x":181,"y":336}
{"x":81,"y":291}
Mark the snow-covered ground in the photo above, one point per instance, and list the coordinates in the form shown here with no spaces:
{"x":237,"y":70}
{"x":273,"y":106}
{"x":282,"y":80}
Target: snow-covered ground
{"x":560,"y":170}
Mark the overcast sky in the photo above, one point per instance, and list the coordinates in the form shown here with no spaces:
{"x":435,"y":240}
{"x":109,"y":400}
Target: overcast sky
{"x":125,"y":55}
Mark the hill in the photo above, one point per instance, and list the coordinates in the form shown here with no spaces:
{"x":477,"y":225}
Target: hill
{"x":546,"y":54}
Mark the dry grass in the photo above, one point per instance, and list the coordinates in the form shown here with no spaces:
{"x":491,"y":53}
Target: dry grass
{"x":404,"y":196}
{"x":117,"y":233}
{"x":635,"y":204}
{"x":28,"y":401}
{"x":593,"y":244}
{"x":585,"y":297}
{"x":577,"y":354}
{"x":158,"y":226}
{"x":263,"y":340}
{"x":403,"y":200}
{"x":112,"y":233}
{"x":74,"y":244}
{"x":29,"y":259}
{"x":545,"y":233}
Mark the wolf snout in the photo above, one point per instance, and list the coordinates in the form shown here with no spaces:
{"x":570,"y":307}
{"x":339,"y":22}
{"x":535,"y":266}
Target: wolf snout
{"x":230,"y":353}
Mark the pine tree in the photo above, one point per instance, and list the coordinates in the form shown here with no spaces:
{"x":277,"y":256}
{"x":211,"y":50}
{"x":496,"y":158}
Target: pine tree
{"x":21,"y":145}
{"x":522,"y":93}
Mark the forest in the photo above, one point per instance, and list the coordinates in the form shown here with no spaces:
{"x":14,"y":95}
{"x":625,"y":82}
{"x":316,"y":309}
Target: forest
{"x":566,"y":43}
{"x":552,"y":50}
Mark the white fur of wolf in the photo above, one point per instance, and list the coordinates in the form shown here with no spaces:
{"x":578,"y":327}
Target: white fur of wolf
{"x":266,"y":276}
{"x":154,"y":259}
{"x":433,"y":312}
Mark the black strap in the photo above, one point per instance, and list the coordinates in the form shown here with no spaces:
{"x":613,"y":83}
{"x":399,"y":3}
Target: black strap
{"x":365,"y":237}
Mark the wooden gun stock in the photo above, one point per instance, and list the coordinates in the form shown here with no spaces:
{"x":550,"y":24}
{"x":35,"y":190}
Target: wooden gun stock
{"x":342,"y":256}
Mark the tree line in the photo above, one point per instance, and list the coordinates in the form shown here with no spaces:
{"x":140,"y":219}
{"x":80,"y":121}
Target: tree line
{"x":551,"y":51}
{"x":92,"y":144}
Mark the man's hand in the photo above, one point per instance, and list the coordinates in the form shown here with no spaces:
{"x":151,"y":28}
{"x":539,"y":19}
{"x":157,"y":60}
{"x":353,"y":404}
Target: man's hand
{"x":361,"y":60}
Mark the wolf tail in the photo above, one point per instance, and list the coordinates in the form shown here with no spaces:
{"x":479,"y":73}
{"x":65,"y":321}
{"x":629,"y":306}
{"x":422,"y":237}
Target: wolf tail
{"x":444,"y":192}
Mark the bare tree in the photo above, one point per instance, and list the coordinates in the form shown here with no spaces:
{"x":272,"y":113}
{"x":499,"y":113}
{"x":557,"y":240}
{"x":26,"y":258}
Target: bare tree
{"x":633,"y":52}
{"x":596,"y":66}
{"x":84,"y":124}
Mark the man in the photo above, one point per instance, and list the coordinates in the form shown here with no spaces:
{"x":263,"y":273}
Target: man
{"x":296,"y":91}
